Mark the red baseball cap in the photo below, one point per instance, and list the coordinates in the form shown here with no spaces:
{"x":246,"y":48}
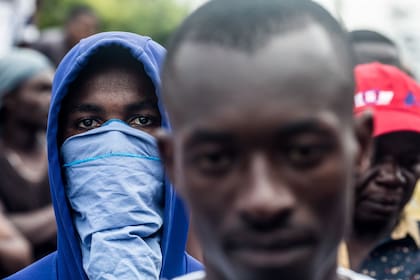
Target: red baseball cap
{"x":392,"y":96}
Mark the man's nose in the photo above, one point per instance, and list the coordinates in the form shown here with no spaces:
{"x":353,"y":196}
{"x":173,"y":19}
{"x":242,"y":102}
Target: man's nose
{"x":266,"y":201}
{"x":391,"y":175}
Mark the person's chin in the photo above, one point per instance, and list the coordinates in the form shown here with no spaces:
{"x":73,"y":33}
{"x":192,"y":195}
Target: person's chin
{"x":273,"y":262}
{"x":377,"y":213}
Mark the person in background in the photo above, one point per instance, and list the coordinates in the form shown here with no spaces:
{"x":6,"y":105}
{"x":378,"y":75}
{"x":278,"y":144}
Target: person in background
{"x":385,"y":242}
{"x":117,"y":215}
{"x":371,"y":46}
{"x":264,"y":146}
{"x":15,"y":250}
{"x":25,"y":92}
{"x":15,"y":27}
{"x":81,"y":22}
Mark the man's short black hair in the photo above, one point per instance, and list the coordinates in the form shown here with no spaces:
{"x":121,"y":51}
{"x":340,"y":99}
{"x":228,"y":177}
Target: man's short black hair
{"x":79,"y":10}
{"x":362,"y":36}
{"x":249,"y":24}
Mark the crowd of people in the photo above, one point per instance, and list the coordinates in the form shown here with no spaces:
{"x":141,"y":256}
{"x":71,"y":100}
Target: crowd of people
{"x":289,"y":142}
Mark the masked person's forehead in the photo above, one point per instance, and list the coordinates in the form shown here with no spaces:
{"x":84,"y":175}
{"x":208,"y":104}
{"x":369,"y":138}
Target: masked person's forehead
{"x":112,"y":84}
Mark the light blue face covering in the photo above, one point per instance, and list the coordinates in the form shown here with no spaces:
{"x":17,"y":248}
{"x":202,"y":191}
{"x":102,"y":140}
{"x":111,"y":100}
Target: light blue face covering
{"x":115,"y":185}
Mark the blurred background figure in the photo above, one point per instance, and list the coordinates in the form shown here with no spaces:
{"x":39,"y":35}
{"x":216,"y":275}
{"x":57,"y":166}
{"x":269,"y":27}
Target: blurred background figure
{"x":81,"y":22}
{"x":15,"y":251}
{"x":385,"y":241}
{"x":25,"y":92}
{"x":397,"y":20}
{"x":17,"y":23}
{"x":371,"y":46}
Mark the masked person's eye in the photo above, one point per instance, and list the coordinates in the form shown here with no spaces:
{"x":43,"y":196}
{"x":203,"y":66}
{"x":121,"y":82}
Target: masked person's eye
{"x":87,"y":124}
{"x":143,"y":121}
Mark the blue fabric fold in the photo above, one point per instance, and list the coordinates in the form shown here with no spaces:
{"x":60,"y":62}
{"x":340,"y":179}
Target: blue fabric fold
{"x":114,"y":183}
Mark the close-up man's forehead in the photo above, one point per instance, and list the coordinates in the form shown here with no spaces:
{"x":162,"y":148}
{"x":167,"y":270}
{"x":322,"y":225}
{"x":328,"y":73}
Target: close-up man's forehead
{"x":286,"y":60}
{"x":287,"y":69}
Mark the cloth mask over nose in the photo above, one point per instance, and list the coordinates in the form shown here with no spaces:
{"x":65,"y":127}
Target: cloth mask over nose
{"x":115,"y":185}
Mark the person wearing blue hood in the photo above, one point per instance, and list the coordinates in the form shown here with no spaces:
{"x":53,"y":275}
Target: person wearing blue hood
{"x":117,"y":215}
{"x":25,"y":203}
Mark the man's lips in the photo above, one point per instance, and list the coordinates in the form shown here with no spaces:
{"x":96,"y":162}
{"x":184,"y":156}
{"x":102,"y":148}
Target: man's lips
{"x":380,"y":207}
{"x":390,"y":198}
{"x":386,"y":200}
{"x":269,"y":241}
{"x":271,"y":250}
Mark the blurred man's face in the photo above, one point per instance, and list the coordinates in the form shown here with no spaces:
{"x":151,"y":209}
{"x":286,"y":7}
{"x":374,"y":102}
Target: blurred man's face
{"x":30,"y":103}
{"x":387,"y":185}
{"x":263,"y":156}
{"x":82,"y":27}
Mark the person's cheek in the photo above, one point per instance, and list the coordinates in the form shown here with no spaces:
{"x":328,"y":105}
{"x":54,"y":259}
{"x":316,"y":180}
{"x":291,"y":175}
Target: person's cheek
{"x":210,"y":196}
{"x":416,"y":170}
{"x":411,"y":178}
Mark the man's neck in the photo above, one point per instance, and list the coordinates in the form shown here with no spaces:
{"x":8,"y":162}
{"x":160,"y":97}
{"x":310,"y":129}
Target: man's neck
{"x":363,"y":240}
{"x":330,"y":274}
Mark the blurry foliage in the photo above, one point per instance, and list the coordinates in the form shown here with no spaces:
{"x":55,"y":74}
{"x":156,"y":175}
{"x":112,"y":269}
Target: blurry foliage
{"x":155,"y":18}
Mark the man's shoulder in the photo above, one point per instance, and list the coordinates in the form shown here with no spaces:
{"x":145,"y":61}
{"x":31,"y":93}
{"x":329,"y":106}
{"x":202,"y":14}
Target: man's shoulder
{"x":198,"y":275}
{"x":347,"y":274}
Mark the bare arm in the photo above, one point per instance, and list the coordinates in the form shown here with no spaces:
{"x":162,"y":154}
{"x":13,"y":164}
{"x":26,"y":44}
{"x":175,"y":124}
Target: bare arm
{"x":37,"y":226}
{"x":15,"y":250}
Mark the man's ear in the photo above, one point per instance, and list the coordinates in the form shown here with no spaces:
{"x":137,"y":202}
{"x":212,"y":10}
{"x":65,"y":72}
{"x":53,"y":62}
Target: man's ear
{"x":166,"y":149}
{"x":364,"y":133}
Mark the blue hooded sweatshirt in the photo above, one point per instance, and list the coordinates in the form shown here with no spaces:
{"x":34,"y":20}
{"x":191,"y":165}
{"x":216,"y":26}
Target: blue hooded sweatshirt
{"x":66,"y":262}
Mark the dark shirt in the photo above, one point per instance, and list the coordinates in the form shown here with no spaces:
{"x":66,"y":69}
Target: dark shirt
{"x":394,"y":260}
{"x":17,"y":196}
{"x":53,"y":44}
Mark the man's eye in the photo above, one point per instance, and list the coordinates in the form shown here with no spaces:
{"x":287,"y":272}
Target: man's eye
{"x":411,"y":163}
{"x":143,"y":121}
{"x":306,"y":156}
{"x":87,"y":124}
{"x":213,"y":162}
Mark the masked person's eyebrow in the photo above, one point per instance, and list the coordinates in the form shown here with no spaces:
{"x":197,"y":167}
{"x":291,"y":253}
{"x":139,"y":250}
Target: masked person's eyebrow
{"x":147,"y":104}
{"x":86,"y":108}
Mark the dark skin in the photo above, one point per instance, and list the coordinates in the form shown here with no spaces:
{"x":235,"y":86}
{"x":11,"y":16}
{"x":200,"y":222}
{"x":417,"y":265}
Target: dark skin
{"x":264,"y":155}
{"x":15,"y":251}
{"x":82,"y":26}
{"x":26,"y":111}
{"x":384,"y":187}
{"x":26,"y":122}
{"x":114,"y":93}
